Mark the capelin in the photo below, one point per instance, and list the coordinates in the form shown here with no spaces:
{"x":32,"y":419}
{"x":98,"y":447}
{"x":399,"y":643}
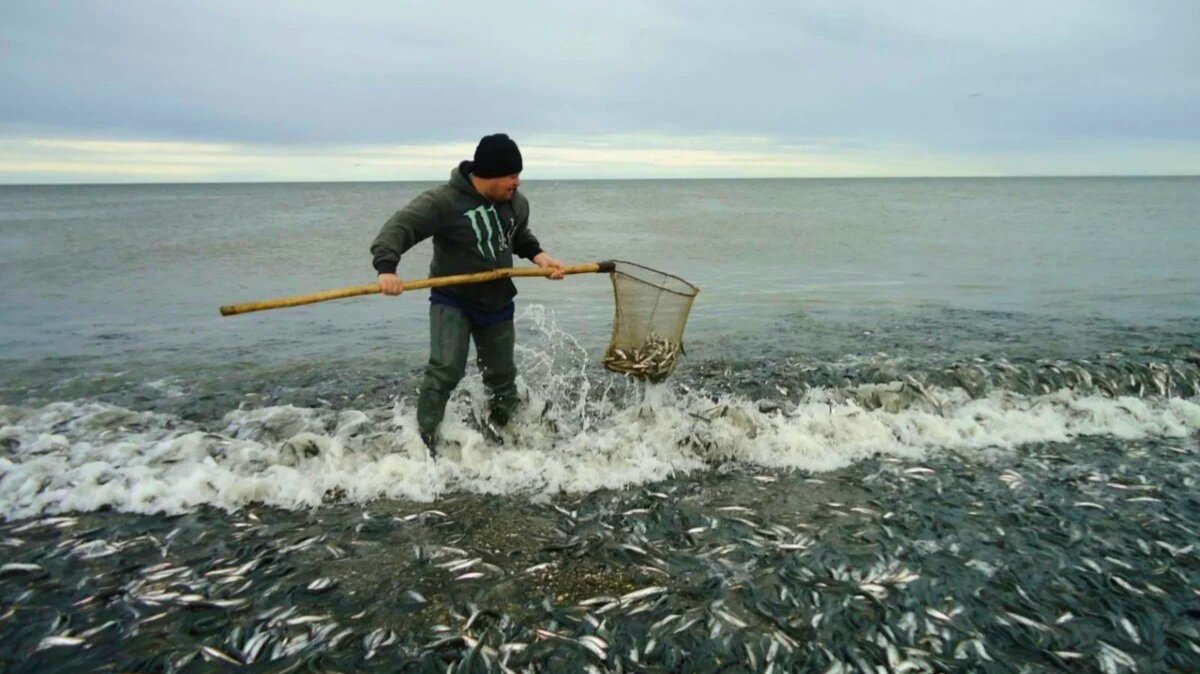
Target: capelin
{"x":59,"y":641}
{"x":17,"y":567}
{"x":320,"y":585}
{"x":654,"y":358}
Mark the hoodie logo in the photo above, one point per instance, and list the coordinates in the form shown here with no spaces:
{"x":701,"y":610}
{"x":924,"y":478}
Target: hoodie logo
{"x":490,"y":237}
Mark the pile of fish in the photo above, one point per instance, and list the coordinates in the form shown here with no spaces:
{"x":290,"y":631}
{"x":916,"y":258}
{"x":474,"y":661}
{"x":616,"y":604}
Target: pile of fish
{"x":1169,"y":373}
{"x":653,"y":359}
{"x":1031,"y":561}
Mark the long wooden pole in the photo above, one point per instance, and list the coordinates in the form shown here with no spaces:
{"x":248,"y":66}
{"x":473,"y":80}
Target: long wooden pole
{"x":435,"y":282}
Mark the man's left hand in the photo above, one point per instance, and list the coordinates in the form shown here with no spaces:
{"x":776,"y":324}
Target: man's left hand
{"x":544,"y":261}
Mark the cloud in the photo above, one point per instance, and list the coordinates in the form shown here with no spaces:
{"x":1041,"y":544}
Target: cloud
{"x":61,"y":160}
{"x":966,"y":83}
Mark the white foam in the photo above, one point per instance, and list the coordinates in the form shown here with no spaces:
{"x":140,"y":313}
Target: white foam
{"x":81,"y":456}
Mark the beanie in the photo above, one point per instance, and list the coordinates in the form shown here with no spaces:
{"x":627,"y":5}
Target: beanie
{"x":497,"y":155}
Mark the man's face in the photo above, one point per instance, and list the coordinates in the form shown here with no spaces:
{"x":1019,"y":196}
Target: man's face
{"x":502,"y":188}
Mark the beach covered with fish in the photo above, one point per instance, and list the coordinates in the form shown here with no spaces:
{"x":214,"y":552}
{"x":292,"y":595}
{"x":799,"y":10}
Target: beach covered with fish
{"x":857,"y":468}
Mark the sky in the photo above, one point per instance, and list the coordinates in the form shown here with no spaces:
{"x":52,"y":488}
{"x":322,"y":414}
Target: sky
{"x":256,"y":90}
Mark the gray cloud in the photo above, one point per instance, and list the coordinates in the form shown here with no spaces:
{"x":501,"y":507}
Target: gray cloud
{"x":969,"y":76}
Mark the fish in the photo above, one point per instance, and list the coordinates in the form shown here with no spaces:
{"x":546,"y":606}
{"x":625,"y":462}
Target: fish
{"x":320,"y":585}
{"x":254,"y":646}
{"x":642,"y":593}
{"x":1028,"y":622}
{"x":212,"y":654}
{"x":58,"y":641}
{"x":654,"y":358}
{"x":594,"y":645}
{"x":306,"y":619}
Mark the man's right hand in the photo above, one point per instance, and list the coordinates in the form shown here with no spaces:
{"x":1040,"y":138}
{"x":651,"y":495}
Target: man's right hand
{"x":390,"y":284}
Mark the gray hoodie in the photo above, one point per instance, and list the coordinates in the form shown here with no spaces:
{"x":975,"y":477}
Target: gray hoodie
{"x":470,"y":234}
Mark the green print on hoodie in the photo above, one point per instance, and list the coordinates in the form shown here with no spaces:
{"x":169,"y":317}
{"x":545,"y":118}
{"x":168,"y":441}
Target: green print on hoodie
{"x":470,"y":234}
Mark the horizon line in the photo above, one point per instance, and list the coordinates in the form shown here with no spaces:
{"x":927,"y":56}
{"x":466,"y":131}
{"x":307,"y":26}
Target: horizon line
{"x":628,"y":179}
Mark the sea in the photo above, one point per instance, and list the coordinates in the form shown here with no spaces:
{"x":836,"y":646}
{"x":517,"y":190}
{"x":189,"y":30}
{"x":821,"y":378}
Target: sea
{"x":920,"y":425}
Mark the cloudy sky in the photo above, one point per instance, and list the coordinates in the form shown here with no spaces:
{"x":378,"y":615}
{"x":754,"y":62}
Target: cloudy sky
{"x":219,"y":90}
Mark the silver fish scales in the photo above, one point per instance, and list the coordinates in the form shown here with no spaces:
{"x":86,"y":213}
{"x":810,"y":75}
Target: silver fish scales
{"x":653,"y":359}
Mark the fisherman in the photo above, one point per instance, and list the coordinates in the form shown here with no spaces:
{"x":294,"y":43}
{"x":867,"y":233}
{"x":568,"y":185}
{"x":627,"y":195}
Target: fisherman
{"x":478,"y":220}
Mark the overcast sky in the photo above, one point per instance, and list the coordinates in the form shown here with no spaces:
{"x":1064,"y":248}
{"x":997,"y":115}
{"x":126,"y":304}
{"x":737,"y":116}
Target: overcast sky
{"x":245,"y":90}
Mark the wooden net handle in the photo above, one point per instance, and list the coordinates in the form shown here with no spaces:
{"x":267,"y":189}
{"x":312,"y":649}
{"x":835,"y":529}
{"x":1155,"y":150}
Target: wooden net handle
{"x":434,"y":282}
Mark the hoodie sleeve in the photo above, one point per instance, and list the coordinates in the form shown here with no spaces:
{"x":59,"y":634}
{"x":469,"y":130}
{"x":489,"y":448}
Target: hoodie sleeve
{"x":525,"y":243}
{"x":409,"y":226}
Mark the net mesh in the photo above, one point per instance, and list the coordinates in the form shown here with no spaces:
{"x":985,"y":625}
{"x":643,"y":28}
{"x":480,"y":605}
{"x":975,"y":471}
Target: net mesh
{"x":651,"y":312}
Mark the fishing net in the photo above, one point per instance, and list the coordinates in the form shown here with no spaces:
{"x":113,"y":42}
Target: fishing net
{"x":652,"y":311}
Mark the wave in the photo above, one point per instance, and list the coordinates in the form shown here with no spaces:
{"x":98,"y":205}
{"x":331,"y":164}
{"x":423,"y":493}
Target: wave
{"x":90,"y":455}
{"x":1159,"y":372}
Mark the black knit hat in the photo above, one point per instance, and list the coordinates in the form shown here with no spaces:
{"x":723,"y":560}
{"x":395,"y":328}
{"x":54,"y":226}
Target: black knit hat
{"x":497,"y":155}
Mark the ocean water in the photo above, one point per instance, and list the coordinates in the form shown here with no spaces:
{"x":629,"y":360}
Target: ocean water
{"x":922,"y":425}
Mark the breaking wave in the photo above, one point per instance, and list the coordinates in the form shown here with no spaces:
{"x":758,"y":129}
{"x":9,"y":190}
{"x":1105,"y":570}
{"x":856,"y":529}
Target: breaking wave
{"x":87,"y":455}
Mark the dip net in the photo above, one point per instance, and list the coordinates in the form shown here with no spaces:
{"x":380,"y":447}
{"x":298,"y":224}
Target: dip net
{"x":651,"y":312}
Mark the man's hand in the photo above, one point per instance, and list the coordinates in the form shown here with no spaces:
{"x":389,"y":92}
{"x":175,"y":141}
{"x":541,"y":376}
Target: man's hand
{"x":390,"y":284}
{"x":544,"y":261}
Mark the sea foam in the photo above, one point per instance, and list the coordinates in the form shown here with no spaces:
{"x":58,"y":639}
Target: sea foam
{"x":82,"y":456}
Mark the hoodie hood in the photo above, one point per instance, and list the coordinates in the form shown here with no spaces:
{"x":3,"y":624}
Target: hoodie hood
{"x":461,"y":181}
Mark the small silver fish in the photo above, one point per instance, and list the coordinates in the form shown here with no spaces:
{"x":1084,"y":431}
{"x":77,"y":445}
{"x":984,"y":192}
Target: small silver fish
{"x":211,"y":653}
{"x":320,"y":585}
{"x":59,"y":641}
{"x":642,"y":593}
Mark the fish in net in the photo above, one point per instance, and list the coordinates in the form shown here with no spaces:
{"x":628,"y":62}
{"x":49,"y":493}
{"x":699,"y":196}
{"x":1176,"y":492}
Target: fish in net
{"x":651,"y":314}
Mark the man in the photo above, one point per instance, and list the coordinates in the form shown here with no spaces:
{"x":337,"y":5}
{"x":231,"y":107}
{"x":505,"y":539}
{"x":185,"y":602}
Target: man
{"x":477,"y":221}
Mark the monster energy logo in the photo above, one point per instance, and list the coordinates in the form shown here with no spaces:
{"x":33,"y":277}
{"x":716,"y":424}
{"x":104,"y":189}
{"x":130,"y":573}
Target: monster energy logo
{"x":489,"y":235}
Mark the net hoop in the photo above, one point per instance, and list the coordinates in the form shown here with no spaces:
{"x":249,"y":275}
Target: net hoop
{"x":650,"y":314}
